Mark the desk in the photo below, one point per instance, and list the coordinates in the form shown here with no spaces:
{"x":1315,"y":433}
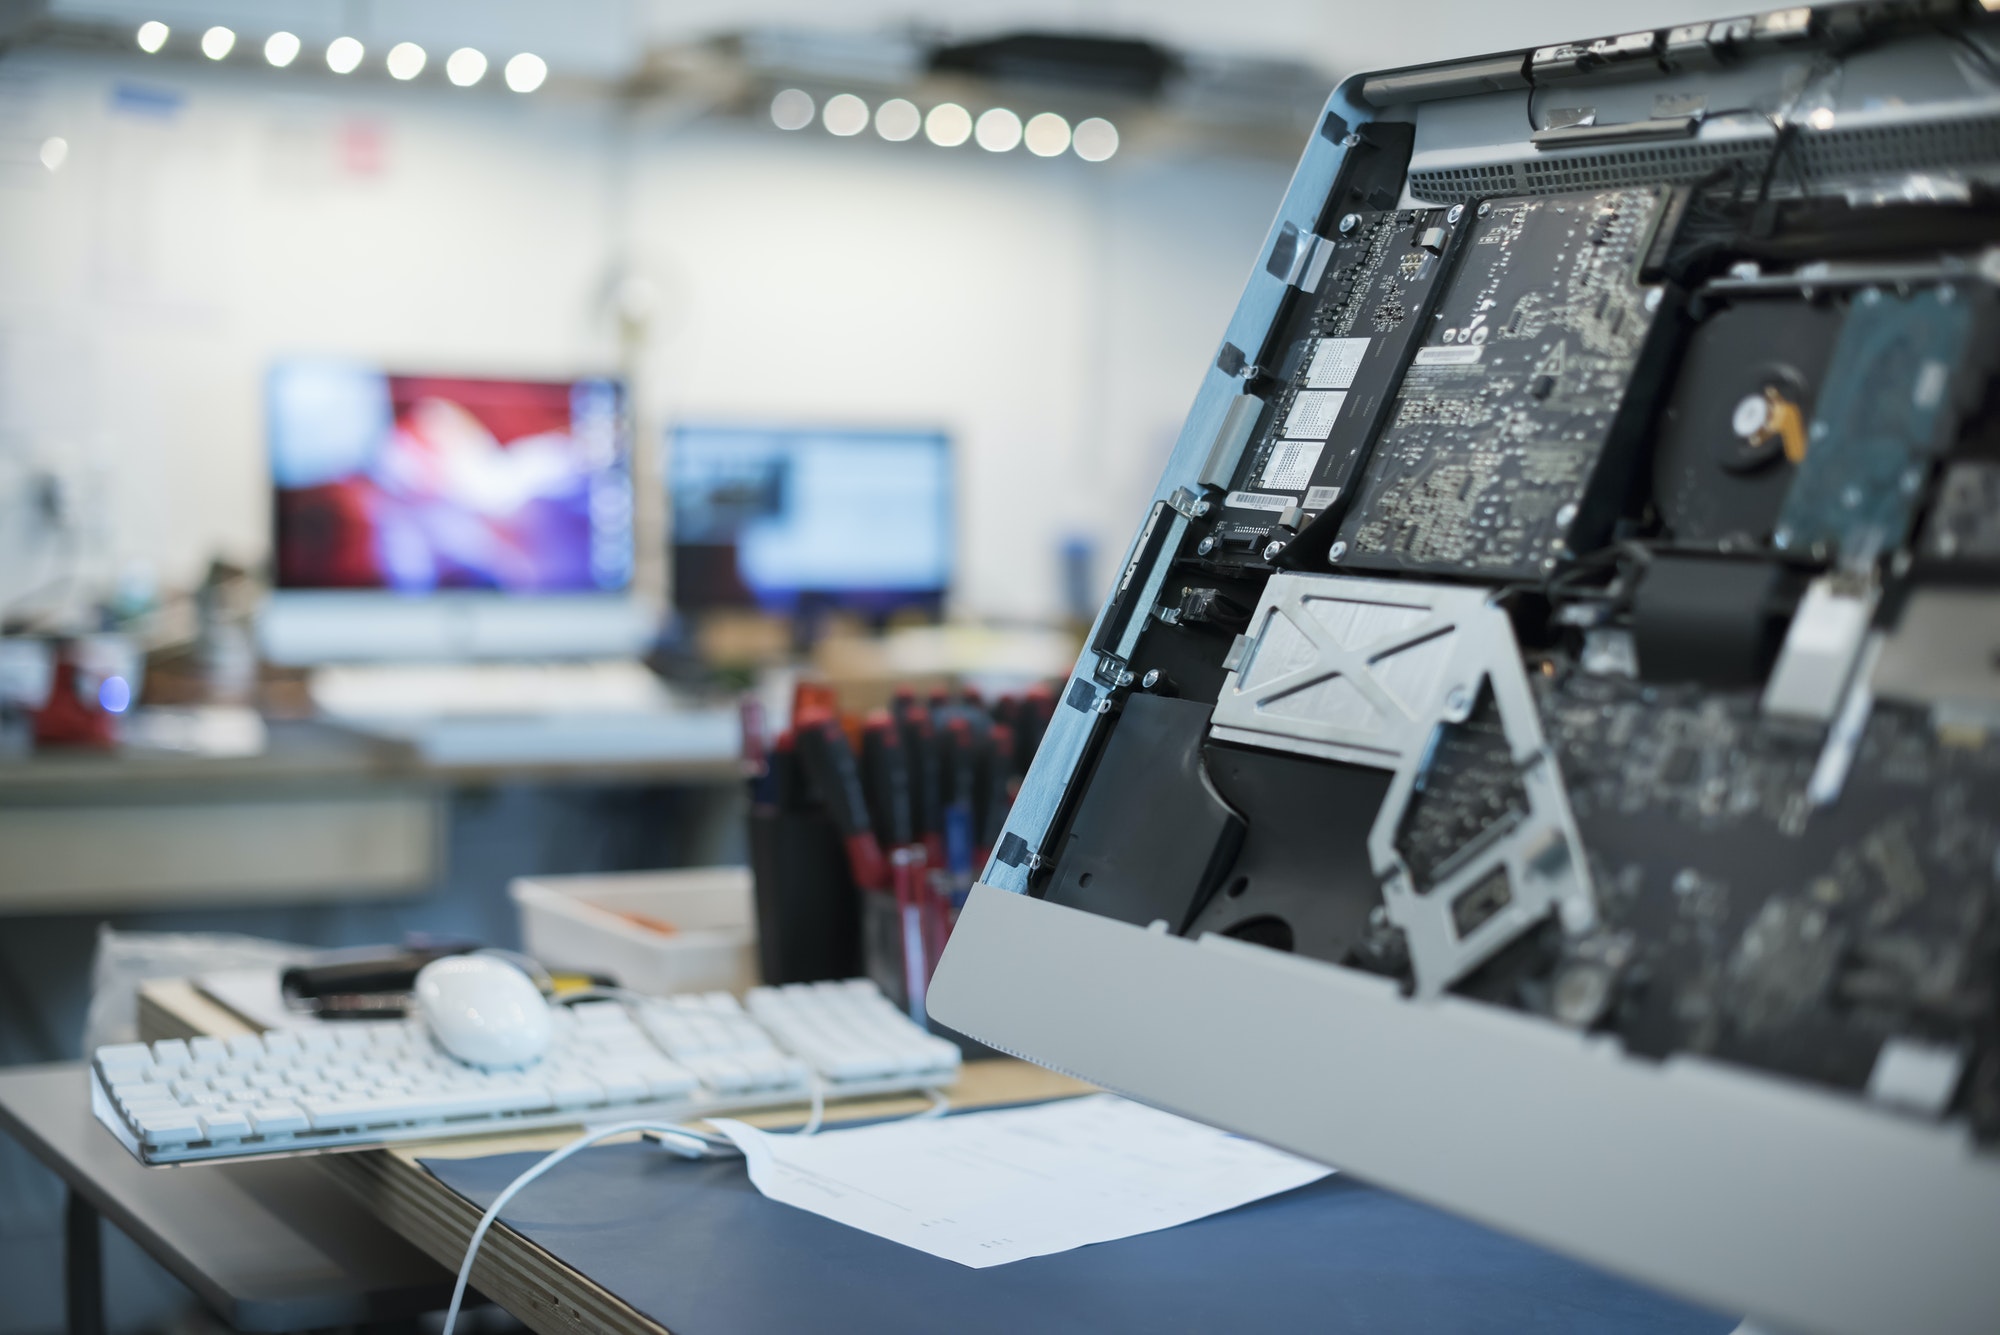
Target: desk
{"x":323,"y":814}
{"x":268,"y":1246}
{"x":548,"y":1296}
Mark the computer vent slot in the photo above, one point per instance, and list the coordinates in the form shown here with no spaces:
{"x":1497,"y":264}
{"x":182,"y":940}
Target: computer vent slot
{"x":1830,"y":155}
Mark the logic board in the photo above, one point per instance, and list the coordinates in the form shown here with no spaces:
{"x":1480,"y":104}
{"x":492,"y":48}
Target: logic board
{"x":1494,"y":462}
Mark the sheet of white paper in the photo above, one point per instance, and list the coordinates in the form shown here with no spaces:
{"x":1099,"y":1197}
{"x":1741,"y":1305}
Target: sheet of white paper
{"x":987,"y":1188}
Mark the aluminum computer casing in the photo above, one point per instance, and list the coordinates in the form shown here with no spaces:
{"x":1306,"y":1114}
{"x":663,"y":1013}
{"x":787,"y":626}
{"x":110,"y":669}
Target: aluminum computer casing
{"x":1808,"y":1209}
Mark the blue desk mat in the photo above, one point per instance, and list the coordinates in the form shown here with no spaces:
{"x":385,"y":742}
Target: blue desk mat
{"x":696,"y":1248}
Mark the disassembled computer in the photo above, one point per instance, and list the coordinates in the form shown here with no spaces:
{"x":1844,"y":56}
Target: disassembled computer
{"x":1542,"y":750}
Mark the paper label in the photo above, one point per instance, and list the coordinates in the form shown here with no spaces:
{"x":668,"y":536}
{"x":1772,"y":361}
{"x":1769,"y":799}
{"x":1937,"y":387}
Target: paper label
{"x":1335,"y":361}
{"x":1450,"y":356}
{"x":1257,"y":500}
{"x":1318,"y":498}
{"x":1312,"y":413}
{"x":1291,"y":464}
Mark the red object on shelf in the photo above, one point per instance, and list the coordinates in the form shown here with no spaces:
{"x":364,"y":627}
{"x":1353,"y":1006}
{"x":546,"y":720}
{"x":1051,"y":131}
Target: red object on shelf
{"x":70,"y":717}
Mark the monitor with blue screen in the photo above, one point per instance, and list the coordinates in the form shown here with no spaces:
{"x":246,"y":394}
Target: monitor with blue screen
{"x":785,"y":518}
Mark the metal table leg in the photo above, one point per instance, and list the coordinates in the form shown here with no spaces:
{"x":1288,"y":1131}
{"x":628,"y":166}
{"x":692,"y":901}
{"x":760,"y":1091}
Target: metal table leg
{"x":83,"y":1267}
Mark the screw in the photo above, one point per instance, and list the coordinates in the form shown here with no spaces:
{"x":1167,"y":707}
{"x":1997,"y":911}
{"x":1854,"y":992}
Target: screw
{"x":1349,"y":223}
{"x":1151,"y":679}
{"x":1485,"y":207}
{"x":1459,"y":702}
{"x":1351,"y":141}
{"x":1124,"y":676}
{"x":1102,"y":706}
{"x":1201,"y":508}
{"x":1271,"y":550}
{"x":1335,"y":552}
{"x":1457,"y":212}
{"x":1206,"y":545}
{"x":1653,"y":299}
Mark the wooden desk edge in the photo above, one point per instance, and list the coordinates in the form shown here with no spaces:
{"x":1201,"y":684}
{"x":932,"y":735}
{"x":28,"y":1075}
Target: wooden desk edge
{"x":545,"y":1294}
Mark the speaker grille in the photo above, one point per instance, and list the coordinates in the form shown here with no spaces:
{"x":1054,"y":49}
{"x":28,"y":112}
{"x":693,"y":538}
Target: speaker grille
{"x":1820,"y":155}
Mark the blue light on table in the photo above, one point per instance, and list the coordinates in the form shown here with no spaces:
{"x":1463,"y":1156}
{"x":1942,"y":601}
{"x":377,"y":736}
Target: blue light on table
{"x":115,"y":695}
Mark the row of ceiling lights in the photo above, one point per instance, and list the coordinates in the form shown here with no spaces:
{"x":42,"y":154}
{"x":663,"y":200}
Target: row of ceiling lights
{"x":948,"y":125}
{"x":405,"y":60}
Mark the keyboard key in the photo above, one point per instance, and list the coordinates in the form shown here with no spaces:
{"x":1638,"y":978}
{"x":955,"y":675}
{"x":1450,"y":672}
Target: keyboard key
{"x":273,"y":1119}
{"x":225,"y":1124}
{"x":170,"y":1054}
{"x":169,"y":1128}
{"x":576,"y":1092}
{"x":124,"y":1057}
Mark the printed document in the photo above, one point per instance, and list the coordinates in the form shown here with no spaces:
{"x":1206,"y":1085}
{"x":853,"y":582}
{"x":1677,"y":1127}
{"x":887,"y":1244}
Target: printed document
{"x":987,"y":1188}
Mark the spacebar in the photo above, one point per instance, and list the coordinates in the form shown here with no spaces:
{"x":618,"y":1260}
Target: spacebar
{"x":333,"y":1114}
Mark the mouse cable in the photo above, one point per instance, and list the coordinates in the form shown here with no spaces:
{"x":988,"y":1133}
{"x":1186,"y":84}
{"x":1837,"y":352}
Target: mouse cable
{"x":674,"y":1138}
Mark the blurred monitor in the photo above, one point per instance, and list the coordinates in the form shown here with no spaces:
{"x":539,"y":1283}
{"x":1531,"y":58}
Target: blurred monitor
{"x":786,"y":519}
{"x":447,"y":516}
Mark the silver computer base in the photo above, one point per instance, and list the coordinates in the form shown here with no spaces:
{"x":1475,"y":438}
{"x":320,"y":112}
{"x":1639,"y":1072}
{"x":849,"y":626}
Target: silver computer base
{"x":1807,"y":1210}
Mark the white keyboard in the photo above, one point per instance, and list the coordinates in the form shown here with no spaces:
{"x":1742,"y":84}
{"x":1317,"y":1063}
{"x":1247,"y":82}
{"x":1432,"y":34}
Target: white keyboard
{"x":370,"y":1082}
{"x":445,"y":690}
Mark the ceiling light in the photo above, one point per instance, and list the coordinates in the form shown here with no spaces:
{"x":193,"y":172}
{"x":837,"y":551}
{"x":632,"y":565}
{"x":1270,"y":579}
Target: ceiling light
{"x":465,"y":67}
{"x":406,"y":60}
{"x":152,"y":36}
{"x":792,"y":109}
{"x":525,"y":72}
{"x":948,"y":125}
{"x":1095,"y":140}
{"x":217,"y":42}
{"x":55,"y":151}
{"x":845,"y":114}
{"x":998,"y":131}
{"x":281,"y":49}
{"x":1048,"y":135}
{"x":898,"y":119}
{"x":343,"y":55}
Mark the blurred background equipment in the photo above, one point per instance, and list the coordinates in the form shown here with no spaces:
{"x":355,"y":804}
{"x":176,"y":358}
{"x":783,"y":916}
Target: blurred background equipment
{"x":433,"y":517}
{"x":805,"y":522}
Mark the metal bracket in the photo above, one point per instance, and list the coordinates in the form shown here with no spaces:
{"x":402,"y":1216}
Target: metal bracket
{"x":1367,"y":672}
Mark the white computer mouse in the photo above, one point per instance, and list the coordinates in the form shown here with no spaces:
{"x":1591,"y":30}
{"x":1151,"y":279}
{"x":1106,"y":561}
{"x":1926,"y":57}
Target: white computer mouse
{"x":483,"y":1010}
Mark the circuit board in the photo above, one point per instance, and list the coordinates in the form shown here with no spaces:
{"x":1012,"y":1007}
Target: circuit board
{"x":1491,"y":456}
{"x":1964,"y":525}
{"x":1342,"y":360}
{"x":1888,"y":408}
{"x":1766,"y":930}
{"x":1470,"y":791}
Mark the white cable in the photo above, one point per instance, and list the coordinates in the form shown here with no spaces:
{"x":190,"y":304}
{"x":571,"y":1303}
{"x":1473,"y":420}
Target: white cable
{"x":695,"y":1145}
{"x":547,"y":1162}
{"x":818,"y":1115}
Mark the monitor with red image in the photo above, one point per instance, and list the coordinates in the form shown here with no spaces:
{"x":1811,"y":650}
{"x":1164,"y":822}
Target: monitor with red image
{"x":420,"y":483}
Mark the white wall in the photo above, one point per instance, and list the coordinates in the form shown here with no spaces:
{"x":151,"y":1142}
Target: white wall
{"x":1054,"y":315}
